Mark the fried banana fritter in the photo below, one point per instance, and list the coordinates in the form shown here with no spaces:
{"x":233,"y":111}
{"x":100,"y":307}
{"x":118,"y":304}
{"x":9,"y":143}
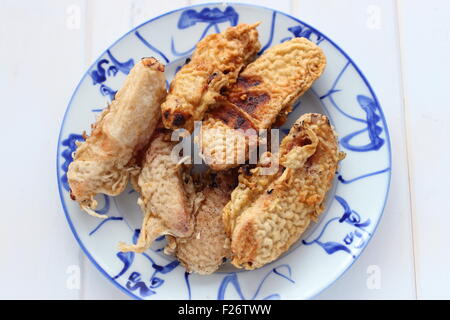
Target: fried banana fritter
{"x":166,"y":194}
{"x":268,"y":213}
{"x":263,"y":94}
{"x":102,"y":164}
{"x":206,"y":249}
{"x":215,"y":64}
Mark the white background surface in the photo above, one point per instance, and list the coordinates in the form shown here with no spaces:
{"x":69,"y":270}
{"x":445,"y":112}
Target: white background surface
{"x":402,"y":46}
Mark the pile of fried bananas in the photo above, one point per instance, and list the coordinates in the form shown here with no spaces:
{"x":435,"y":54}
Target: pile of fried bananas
{"x":233,"y":212}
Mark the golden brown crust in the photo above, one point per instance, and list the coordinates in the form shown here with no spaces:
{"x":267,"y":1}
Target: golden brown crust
{"x":215,"y":64}
{"x":166,"y":195}
{"x":205,"y":250}
{"x":153,"y":62}
{"x":263,"y":94}
{"x":275,"y":80}
{"x":267,"y":214}
{"x":103,"y":163}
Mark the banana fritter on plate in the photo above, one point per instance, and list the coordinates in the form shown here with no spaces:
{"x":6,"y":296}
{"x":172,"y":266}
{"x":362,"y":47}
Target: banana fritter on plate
{"x":263,"y":94}
{"x":249,"y":215}
{"x":215,"y":64}
{"x":207,"y":248}
{"x":166,"y":194}
{"x":268,"y":213}
{"x":103,"y":163}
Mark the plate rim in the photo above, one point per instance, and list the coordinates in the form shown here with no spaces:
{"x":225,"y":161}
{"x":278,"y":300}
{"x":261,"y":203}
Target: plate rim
{"x":350,"y":60}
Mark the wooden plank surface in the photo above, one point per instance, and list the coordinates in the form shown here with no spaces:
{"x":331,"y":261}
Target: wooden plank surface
{"x":42,"y":61}
{"x":425,"y":49}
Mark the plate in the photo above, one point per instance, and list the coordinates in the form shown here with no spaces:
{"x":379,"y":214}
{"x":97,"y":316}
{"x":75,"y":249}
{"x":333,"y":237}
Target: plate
{"x":328,"y":248}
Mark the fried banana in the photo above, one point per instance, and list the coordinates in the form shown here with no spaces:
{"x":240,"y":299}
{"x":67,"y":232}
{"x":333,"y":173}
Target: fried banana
{"x":103,"y":163}
{"x":207,"y":248}
{"x":215,"y":64}
{"x":268,"y":213}
{"x":263,"y":94}
{"x":166,"y":194}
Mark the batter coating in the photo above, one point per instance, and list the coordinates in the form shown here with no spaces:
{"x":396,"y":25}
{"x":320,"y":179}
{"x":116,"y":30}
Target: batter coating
{"x":268,"y":213}
{"x":215,"y":63}
{"x":263,"y":94}
{"x":205,"y":250}
{"x":166,"y":194}
{"x":104,"y":162}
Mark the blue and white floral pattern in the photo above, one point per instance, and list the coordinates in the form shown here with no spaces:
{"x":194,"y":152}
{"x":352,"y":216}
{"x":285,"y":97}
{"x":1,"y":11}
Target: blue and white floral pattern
{"x":354,"y":206}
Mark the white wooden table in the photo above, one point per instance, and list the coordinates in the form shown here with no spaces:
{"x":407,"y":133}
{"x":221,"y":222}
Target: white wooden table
{"x":402,"y":46}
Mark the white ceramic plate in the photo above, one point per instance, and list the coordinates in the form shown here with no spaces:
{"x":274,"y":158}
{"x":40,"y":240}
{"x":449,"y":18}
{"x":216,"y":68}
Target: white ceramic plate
{"x":328,"y":248}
